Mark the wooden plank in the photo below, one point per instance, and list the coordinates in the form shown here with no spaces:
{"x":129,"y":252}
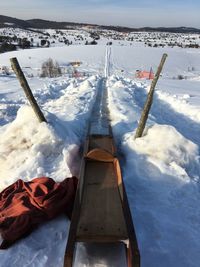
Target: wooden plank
{"x":101,"y":215}
{"x":70,"y":248}
{"x":103,"y":142}
{"x":100,"y":155}
{"x":133,"y":250}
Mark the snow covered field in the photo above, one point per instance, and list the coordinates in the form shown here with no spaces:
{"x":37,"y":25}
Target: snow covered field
{"x":161,"y":169}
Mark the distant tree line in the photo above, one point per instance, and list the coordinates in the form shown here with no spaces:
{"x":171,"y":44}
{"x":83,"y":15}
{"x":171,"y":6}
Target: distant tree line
{"x":11,"y":43}
{"x":7,"y":47}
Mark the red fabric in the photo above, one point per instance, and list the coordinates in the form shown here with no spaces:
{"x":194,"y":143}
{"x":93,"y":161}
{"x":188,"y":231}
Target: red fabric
{"x":24,"y":205}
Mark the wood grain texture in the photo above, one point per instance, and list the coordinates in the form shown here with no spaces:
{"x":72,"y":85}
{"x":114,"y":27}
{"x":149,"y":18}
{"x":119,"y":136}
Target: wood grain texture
{"x":101,"y":215}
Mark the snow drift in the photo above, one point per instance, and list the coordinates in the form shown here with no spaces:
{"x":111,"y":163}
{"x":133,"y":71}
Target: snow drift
{"x":30,"y":149}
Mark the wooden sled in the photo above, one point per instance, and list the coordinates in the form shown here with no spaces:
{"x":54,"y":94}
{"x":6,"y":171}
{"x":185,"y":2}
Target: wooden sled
{"x":101,"y":211}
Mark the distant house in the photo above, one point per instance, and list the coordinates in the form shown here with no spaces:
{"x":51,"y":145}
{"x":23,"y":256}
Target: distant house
{"x":75,"y":63}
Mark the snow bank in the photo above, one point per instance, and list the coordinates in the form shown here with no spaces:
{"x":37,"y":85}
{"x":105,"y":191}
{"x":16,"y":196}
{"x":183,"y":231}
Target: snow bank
{"x":75,"y":100}
{"x":121,"y":103}
{"x":167,"y":149}
{"x":181,"y":105}
{"x":161,"y":175}
{"x":164,"y":143}
{"x":30,"y":149}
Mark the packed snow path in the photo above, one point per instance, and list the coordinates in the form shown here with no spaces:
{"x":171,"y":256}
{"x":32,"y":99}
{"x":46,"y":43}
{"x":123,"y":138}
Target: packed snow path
{"x":107,"y":69}
{"x":99,"y":121}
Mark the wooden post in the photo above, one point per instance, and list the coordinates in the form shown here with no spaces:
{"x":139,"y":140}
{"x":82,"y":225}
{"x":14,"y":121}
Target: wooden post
{"x":149,"y":100}
{"x":20,"y":75}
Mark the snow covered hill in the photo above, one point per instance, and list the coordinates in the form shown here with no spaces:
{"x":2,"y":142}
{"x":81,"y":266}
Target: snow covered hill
{"x":86,"y":35}
{"x":161,"y":170}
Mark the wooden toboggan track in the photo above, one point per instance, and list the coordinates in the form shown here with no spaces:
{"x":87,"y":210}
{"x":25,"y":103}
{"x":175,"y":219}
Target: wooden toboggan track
{"x":101,"y":211}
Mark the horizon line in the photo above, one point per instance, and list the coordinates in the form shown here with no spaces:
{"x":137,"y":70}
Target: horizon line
{"x":95,"y":24}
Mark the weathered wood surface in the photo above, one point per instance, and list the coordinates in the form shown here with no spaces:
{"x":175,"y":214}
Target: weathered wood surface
{"x":20,"y":75}
{"x":149,"y":101}
{"x":103,"y":142}
{"x":99,"y":155}
{"x":101,"y":215}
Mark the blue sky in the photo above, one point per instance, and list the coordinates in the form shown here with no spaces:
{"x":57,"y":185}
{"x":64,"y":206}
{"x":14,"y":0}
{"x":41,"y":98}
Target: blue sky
{"x":110,"y":12}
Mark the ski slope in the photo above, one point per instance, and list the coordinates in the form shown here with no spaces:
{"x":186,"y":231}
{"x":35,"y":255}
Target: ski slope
{"x":161,"y":169}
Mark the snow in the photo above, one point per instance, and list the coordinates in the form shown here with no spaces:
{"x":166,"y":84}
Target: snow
{"x":31,"y":145}
{"x":162,"y":181}
{"x":100,"y":255}
{"x":161,"y":174}
{"x":176,"y":153}
{"x":161,"y":170}
{"x":31,"y":149}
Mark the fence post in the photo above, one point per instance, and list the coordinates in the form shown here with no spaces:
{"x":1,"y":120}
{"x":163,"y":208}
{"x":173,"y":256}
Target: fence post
{"x":149,"y":100}
{"x":20,"y":75}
